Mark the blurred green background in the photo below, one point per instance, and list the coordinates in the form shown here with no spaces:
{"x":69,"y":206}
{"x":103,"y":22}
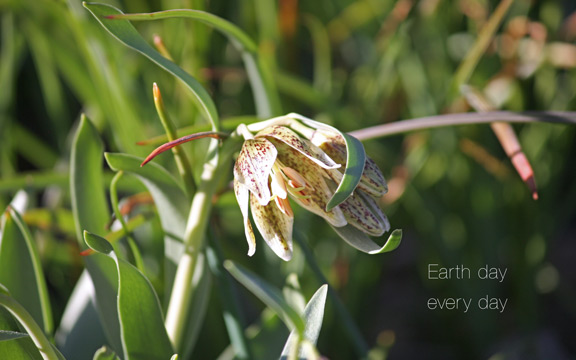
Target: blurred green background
{"x":353,"y":64}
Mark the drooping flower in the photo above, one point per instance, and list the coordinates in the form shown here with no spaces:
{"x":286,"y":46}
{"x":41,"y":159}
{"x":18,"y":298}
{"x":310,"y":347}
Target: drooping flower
{"x":307,"y":166}
{"x":319,"y":168}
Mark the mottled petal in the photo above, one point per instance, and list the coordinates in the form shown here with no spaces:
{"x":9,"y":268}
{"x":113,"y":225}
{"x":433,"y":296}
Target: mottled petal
{"x":275,"y":227}
{"x":303,"y":146}
{"x":361,"y":213}
{"x":243,"y":198}
{"x":253,"y":166}
{"x":372,"y":180}
{"x":317,"y":190}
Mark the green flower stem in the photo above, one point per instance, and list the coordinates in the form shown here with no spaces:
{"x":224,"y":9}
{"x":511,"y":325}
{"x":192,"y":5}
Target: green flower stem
{"x":32,"y":328}
{"x":194,"y":237}
{"x":181,"y":160}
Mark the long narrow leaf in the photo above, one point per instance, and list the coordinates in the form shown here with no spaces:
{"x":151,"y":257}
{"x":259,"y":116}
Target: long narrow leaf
{"x":265,"y":94}
{"x":129,"y":36}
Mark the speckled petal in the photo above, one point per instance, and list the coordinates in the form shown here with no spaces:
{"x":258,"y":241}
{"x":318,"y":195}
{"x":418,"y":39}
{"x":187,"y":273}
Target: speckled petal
{"x":303,"y":146}
{"x":243,"y":198}
{"x":376,"y":210}
{"x":372,"y":181}
{"x":275,"y":227}
{"x":319,"y":193}
{"x":253,"y":166}
{"x":362,"y":214}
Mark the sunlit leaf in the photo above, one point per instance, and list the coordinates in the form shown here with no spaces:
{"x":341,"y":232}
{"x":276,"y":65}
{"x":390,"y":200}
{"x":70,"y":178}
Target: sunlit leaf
{"x":21,"y":269}
{"x":129,"y":36}
{"x":313,"y":317}
{"x":141,"y":319}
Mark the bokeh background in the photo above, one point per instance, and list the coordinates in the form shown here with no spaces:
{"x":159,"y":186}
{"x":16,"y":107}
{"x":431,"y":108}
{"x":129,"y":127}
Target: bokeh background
{"x":353,"y":64}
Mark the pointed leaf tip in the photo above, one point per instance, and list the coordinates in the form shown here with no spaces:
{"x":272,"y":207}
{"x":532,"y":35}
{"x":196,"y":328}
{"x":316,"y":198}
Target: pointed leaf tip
{"x":97,"y":243}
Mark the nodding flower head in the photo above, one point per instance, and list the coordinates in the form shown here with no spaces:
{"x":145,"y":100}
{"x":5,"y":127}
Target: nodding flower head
{"x":292,"y":157}
{"x":285,"y":159}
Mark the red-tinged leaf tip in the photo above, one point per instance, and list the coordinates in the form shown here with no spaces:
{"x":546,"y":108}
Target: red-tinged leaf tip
{"x":169,"y":145}
{"x":525,"y":171}
{"x":87,"y":252}
{"x":110,"y":17}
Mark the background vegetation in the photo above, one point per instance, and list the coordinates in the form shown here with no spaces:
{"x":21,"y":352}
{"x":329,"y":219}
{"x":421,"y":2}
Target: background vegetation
{"x":353,"y":64}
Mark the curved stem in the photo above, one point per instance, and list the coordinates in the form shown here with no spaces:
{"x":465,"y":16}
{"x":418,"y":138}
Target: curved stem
{"x":430,"y":122}
{"x":32,"y":328}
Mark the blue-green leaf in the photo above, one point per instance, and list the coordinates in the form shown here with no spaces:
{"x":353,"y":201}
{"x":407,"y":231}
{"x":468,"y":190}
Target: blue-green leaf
{"x":129,"y":36}
{"x":268,"y":295}
{"x":141,"y":319}
{"x":21,"y":269}
{"x":313,"y":317}
{"x":362,"y":242}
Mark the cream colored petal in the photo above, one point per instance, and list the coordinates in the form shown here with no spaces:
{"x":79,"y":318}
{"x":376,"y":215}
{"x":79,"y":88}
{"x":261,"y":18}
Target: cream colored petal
{"x":303,"y":146}
{"x":253,"y":166}
{"x":275,"y":227}
{"x":317,"y":191}
{"x":362,"y":214}
{"x":372,"y":180}
{"x":243,"y":198}
{"x":376,"y":210}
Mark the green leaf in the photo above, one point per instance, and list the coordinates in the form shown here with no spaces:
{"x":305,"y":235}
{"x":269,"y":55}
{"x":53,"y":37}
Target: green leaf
{"x":356,"y":158}
{"x":22,"y":348}
{"x":90,"y":209}
{"x":261,"y":79}
{"x":142,"y":322}
{"x":268,"y":295}
{"x":105,"y":353}
{"x":169,"y":197}
{"x":21,"y":269}
{"x":89,"y":203}
{"x":170,"y":200}
{"x":362,"y":242}
{"x":129,"y":36}
{"x":98,"y":243}
{"x":6,"y":335}
{"x":313,"y":317}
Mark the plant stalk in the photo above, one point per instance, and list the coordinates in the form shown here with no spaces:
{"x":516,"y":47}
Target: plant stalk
{"x":194,"y":237}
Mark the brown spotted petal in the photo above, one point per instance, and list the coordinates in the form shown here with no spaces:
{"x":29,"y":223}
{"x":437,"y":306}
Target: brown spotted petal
{"x":361,"y":214}
{"x":303,"y":146}
{"x":372,"y":181}
{"x":253,"y":166}
{"x":317,"y":193}
{"x":275,"y":227}
{"x":243,"y":198}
